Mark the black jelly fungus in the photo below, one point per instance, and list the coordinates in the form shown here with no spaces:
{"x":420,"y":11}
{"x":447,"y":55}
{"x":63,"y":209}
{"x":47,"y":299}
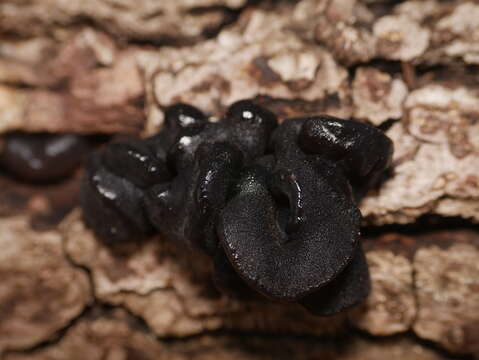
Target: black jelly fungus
{"x":134,"y":157}
{"x":204,"y":187}
{"x":42,"y":157}
{"x":287,"y":263}
{"x":273,"y":205}
{"x":112,"y":205}
{"x":185,"y":119}
{"x":363,"y":151}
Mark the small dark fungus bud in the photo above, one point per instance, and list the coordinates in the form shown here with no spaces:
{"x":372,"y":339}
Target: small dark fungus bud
{"x":112,"y":206}
{"x":364,"y":151}
{"x":251,"y":126}
{"x":42,"y":157}
{"x":181,"y":154}
{"x":272,"y":205}
{"x":135,"y":158}
{"x":181,"y":121}
{"x":184,"y":119}
{"x":247,"y":111}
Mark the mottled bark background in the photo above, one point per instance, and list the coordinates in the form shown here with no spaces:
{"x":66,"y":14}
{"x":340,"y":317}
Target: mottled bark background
{"x":111,"y":66}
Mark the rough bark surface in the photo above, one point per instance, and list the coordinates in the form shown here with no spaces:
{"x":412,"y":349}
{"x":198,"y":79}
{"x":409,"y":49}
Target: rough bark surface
{"x":142,"y":20}
{"x":116,"y":336}
{"x":40,"y":291}
{"x":424,"y":284}
{"x":111,"y":67}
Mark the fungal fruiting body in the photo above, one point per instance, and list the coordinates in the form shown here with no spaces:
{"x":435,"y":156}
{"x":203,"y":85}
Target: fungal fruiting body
{"x":274,"y":206}
{"x":42,"y":157}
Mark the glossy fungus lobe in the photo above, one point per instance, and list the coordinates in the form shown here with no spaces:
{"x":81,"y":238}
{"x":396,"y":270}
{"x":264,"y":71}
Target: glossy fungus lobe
{"x":362,"y":150}
{"x":250,"y":127}
{"x":42,"y":157}
{"x":112,"y":204}
{"x":204,"y":188}
{"x":136,"y":158}
{"x":184,"y":119}
{"x":288,"y":250}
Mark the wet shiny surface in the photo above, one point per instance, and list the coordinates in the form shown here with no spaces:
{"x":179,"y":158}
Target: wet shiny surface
{"x":272,"y":205}
{"x":42,"y":157}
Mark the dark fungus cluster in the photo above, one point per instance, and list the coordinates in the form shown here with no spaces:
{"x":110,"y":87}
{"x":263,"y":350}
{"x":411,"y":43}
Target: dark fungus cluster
{"x":274,"y":206}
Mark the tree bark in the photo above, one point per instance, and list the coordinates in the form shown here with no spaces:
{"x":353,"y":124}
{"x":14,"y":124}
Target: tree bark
{"x":110,"y":67}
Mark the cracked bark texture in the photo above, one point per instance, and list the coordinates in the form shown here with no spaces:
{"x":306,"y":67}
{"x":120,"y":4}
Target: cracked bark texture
{"x":111,"y":67}
{"x":115,"y":335}
{"x":40,"y":291}
{"x":145,"y":20}
{"x":413,"y":280}
{"x":155,"y":275}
